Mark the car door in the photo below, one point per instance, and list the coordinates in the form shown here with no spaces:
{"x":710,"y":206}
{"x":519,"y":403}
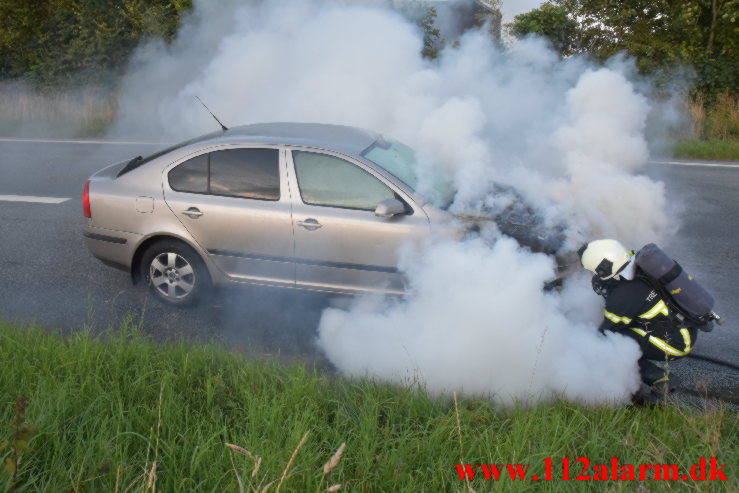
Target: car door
{"x":235,"y":203}
{"x":340,"y":244}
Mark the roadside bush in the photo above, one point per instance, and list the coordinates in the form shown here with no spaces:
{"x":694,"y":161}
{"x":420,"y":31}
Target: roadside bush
{"x":68,"y":42}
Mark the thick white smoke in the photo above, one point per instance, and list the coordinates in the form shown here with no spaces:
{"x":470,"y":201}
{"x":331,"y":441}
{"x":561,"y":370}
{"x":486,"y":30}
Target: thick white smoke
{"x":568,"y":135}
{"x":479,"y":323}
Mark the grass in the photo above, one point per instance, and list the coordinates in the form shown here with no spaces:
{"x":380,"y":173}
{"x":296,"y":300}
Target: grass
{"x":714,"y":130}
{"x":707,"y":149}
{"x":121,"y":413}
{"x":81,"y":112}
{"x":719,"y":121}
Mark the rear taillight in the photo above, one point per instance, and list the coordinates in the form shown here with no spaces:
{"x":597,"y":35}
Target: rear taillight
{"x":86,"y":200}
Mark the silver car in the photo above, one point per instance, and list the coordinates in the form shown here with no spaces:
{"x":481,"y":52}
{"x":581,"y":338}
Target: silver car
{"x":308,"y":206}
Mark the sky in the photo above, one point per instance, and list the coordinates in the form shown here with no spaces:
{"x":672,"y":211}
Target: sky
{"x":512,"y":8}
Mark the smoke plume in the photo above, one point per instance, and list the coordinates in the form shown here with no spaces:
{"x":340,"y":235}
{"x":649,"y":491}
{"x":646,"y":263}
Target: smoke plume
{"x":568,"y":135}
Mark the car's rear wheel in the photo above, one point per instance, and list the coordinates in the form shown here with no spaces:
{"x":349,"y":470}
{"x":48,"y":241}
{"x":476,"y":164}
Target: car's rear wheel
{"x":174,"y":272}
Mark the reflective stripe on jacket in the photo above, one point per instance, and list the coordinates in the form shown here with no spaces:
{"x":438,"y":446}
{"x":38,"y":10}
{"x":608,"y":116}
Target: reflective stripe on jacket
{"x":633,"y":308}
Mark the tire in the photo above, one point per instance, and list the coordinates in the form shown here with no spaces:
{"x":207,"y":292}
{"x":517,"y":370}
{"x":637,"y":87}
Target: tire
{"x":175,"y":273}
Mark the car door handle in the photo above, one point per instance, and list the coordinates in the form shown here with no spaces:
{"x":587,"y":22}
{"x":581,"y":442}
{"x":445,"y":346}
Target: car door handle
{"x":310,"y":224}
{"x":192,"y":212}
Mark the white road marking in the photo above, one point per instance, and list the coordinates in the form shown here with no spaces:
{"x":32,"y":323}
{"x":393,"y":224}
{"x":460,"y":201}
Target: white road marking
{"x":705,"y":165}
{"x":98,"y":142}
{"x":33,"y":199}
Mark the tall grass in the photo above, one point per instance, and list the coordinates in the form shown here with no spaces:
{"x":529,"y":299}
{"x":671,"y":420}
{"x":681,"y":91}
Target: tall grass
{"x":121,"y":413}
{"x":713,"y":131}
{"x":720,"y":121}
{"x":73,"y":112}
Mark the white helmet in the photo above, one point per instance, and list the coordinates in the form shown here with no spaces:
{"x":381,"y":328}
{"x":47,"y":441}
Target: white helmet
{"x":605,"y":258}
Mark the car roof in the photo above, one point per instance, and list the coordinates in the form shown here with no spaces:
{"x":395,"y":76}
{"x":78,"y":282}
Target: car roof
{"x":341,"y":138}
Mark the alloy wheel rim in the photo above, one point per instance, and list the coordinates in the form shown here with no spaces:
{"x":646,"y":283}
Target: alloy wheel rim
{"x":172,"y":275}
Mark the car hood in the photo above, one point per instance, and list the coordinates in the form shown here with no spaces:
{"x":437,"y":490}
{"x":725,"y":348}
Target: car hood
{"x":516,"y":218}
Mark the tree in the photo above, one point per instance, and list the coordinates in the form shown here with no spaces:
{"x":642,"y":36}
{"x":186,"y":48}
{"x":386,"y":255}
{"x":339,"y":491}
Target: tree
{"x":52,"y":41}
{"x":710,"y":42}
{"x":552,"y":22}
{"x":658,"y":34}
{"x":459,"y":17}
{"x":431,"y":33}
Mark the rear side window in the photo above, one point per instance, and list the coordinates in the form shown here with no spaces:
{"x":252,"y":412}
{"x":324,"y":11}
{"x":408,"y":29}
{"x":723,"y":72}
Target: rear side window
{"x":191,"y":176}
{"x":246,"y":173}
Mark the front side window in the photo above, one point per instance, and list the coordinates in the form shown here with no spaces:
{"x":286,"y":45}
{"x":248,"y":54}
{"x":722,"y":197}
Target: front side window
{"x":246,"y":173}
{"x":333,"y":182}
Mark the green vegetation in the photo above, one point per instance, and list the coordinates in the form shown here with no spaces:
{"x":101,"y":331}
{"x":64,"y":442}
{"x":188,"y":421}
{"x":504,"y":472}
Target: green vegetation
{"x":78,"y":112}
{"x":552,"y":22}
{"x":707,"y":149}
{"x":118,"y":411}
{"x":61,"y":60}
{"x":659,"y":35}
{"x":62,"y":42}
{"x":714,"y":132}
{"x":431,"y":34}
{"x":56,"y":56}
{"x":694,"y":39}
{"x":718,"y":121}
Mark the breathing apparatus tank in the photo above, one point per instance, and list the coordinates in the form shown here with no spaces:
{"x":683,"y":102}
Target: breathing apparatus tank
{"x":687,"y":296}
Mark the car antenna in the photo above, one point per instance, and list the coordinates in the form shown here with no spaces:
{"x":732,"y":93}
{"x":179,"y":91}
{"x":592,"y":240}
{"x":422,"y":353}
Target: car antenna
{"x":224,"y":127}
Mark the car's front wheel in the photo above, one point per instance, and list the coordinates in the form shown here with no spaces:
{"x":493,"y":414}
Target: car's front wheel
{"x":174,"y":272}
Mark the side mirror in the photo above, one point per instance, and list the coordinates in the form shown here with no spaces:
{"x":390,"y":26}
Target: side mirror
{"x":390,"y":208}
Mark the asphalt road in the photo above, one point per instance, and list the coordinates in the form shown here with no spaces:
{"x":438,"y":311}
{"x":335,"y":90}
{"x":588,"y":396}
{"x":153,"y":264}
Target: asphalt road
{"x":48,"y":277}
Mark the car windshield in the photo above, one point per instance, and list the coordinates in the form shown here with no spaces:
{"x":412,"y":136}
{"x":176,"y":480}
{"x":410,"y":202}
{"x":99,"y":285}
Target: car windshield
{"x":397,"y":159}
{"x":400,"y":161}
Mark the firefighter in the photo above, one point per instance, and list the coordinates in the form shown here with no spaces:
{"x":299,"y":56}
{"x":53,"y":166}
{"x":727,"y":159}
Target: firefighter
{"x":635,"y":309}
